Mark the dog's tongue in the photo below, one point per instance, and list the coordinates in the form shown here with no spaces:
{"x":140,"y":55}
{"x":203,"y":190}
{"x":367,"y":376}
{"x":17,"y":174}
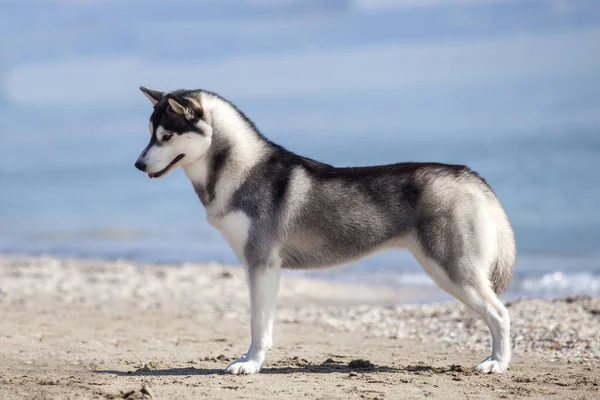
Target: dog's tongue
{"x":150,"y":175}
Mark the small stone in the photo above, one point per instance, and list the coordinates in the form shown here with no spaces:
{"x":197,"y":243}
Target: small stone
{"x":146,"y":390}
{"x":361,"y":364}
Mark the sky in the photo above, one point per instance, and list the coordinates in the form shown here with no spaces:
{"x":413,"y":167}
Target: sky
{"x":428,"y":67}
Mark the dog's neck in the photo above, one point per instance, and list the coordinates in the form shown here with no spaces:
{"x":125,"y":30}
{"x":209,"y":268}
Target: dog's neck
{"x":236,"y":147}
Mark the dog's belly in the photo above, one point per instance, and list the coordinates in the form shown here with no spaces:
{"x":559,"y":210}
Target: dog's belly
{"x":314,"y":251}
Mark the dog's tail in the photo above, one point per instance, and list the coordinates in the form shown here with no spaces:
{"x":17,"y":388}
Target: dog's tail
{"x":504,"y":266}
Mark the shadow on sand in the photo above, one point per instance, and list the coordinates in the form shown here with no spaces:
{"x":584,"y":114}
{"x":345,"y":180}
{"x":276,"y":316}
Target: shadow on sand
{"x":357,"y":366}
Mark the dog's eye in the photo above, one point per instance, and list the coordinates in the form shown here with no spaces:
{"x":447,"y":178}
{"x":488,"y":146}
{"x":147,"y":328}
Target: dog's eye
{"x":166,"y":137}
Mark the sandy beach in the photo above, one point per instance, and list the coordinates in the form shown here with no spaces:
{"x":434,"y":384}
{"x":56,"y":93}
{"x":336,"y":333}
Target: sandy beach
{"x":74,"y":329}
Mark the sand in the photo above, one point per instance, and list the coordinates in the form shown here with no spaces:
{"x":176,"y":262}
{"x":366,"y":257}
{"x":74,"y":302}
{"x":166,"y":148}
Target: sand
{"x":74,"y":329}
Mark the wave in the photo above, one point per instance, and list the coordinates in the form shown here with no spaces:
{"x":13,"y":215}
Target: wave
{"x":546,"y":285}
{"x":559,"y":283}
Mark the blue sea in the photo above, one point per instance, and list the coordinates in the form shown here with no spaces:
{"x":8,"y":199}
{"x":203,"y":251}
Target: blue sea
{"x":508,"y":88}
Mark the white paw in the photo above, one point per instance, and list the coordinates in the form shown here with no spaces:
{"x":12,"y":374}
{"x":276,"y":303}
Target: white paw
{"x":243,"y":366}
{"x":489,"y":366}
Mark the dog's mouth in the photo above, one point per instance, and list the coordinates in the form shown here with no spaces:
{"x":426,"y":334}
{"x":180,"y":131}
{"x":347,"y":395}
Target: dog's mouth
{"x":166,"y":169}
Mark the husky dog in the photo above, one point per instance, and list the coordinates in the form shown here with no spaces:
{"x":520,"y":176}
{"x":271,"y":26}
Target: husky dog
{"x":279,"y":210}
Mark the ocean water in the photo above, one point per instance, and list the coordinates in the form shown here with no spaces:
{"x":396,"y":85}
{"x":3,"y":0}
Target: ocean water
{"x":83,"y":198}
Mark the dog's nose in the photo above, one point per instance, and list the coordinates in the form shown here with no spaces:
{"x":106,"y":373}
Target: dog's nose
{"x":140,"y":165}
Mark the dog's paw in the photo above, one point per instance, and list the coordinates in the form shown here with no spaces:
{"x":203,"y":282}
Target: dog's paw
{"x":243,"y":366}
{"x":489,"y":366}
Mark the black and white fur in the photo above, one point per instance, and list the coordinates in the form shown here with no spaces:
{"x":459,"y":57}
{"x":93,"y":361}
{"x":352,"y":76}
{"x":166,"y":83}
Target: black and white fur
{"x":277,"y":209}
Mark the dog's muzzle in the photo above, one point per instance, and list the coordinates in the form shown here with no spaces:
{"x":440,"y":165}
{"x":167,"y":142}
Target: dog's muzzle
{"x":140,"y":165}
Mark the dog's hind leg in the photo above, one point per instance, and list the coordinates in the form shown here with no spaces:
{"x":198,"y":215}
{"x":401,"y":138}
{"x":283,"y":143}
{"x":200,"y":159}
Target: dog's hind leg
{"x":263,"y":281}
{"x":477,"y":294}
{"x":482,"y":299}
{"x":484,"y":302}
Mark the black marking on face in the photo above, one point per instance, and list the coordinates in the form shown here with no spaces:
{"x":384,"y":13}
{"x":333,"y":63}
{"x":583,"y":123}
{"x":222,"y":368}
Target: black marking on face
{"x":166,"y":137}
{"x":164,"y":116}
{"x":153,"y":142}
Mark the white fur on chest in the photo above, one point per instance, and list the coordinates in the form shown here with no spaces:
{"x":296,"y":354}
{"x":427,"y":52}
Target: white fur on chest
{"x":234,"y":226}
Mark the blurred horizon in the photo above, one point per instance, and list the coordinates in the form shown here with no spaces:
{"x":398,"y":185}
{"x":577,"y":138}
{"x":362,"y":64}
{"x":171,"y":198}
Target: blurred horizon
{"x":507,"y":87}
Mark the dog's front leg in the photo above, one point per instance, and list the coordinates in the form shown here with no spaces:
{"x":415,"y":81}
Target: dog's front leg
{"x":264,"y":285}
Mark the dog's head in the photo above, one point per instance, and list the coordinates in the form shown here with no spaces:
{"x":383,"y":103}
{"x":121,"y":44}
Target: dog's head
{"x":179,"y":132}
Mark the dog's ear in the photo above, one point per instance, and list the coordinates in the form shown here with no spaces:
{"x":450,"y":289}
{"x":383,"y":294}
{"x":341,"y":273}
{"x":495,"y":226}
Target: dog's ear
{"x":153,"y":95}
{"x":176,"y":105}
{"x":179,"y":108}
{"x":195,"y":106}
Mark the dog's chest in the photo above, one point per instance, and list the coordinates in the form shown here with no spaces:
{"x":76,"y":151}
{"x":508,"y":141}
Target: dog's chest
{"x":234,"y":227}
